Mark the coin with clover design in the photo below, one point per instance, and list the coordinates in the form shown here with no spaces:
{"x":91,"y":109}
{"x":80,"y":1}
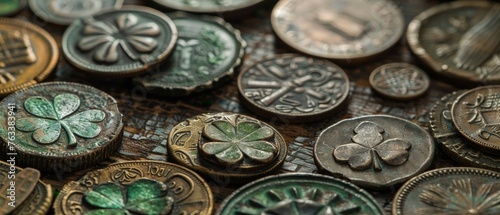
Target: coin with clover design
{"x":374,"y":151}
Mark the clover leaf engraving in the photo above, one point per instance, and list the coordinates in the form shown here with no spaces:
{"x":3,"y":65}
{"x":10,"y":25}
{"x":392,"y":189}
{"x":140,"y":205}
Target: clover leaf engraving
{"x":231,"y":143}
{"x":50,"y":117}
{"x":144,"y":196}
{"x":369,"y":149}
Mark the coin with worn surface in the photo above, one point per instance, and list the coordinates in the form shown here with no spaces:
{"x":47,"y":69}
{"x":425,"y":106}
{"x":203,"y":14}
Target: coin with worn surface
{"x":399,"y":81}
{"x":207,"y":51}
{"x":58,"y":125}
{"x":208,"y":6}
{"x":136,"y":187}
{"x":64,"y":12}
{"x":227,"y":147}
{"x":338,"y":29}
{"x":294,"y":88}
{"x":455,"y":190}
{"x":299,"y":193}
{"x":459,"y":40}
{"x":11,"y":7}
{"x":119,"y":43}
{"x":374,"y":151}
{"x":28,"y":54}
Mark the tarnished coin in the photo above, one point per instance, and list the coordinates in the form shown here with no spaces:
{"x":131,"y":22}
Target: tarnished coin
{"x":374,"y":151}
{"x":399,"y":81}
{"x":60,"y":126}
{"x":459,"y":40}
{"x":294,"y":88}
{"x":11,"y":7}
{"x":64,"y":12}
{"x":28,"y":54}
{"x":207,"y":51}
{"x":476,"y":115}
{"x":299,"y":193}
{"x":208,"y":6}
{"x":119,"y":43}
{"x":136,"y":187}
{"x":455,"y":190}
{"x":341,"y":30}
{"x":226,"y":146}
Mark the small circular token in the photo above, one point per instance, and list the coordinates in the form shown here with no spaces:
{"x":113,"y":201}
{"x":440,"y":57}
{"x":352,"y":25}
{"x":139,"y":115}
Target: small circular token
{"x":11,"y":7}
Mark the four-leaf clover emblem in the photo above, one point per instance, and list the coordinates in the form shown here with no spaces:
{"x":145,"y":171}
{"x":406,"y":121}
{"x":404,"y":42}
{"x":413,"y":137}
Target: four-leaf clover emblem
{"x":369,"y":149}
{"x":50,"y":117}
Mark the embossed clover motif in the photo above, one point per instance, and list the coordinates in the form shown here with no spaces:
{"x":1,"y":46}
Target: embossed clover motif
{"x":126,"y":32}
{"x":369,"y":149}
{"x":144,"y":196}
{"x":46,"y":126}
{"x":231,"y":143}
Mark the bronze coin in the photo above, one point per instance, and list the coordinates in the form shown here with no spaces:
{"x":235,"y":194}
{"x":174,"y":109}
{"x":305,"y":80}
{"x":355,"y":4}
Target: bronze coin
{"x":476,"y":116}
{"x":399,"y":81}
{"x":459,"y":40}
{"x":374,"y":151}
{"x":294,"y":88}
{"x":28,"y":54}
{"x":136,"y":187}
{"x":341,"y":30}
{"x":455,"y":190}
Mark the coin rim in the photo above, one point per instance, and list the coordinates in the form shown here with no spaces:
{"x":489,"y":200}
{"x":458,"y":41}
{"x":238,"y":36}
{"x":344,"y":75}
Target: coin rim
{"x":194,"y":9}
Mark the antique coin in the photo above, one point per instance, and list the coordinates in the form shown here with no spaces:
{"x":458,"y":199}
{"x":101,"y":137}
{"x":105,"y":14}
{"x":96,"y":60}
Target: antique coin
{"x":136,"y":187}
{"x":21,"y":191}
{"x":459,"y":40}
{"x":28,"y":54}
{"x":58,"y":126}
{"x":455,"y":190}
{"x":294,"y":88}
{"x":64,"y":12}
{"x":207,"y":51}
{"x":476,"y":116}
{"x":399,"y":81}
{"x":299,"y":194}
{"x":227,"y":146}
{"x":11,"y":7}
{"x":374,"y":151}
{"x":119,"y":43}
{"x":208,"y":6}
{"x":341,"y":30}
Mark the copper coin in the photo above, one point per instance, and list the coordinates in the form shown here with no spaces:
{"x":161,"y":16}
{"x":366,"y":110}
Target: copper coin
{"x":459,"y":40}
{"x":28,"y":54}
{"x":476,"y":115}
{"x":294,"y":88}
{"x":341,"y":30}
{"x":208,"y":6}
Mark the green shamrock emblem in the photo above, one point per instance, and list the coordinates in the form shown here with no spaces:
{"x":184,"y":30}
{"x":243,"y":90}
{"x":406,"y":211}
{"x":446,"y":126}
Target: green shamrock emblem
{"x":46,"y":127}
{"x":144,"y":196}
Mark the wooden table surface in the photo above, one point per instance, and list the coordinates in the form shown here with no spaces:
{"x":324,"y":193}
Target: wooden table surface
{"x":148,"y":119}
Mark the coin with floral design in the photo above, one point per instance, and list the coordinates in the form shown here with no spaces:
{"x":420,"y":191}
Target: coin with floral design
{"x":119,"y":43}
{"x":227,"y":147}
{"x":136,"y":187}
{"x":454,"y":190}
{"x":58,"y":126}
{"x":374,"y":151}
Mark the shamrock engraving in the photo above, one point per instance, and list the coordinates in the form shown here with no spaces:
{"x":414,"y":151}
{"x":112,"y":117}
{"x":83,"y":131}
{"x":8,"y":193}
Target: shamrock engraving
{"x":369,"y":148}
{"x":231,"y":143}
{"x":46,"y":127}
{"x":144,"y":196}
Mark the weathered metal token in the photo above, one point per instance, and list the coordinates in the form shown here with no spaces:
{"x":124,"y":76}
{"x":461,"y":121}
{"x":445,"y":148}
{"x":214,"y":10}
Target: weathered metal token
{"x":28,"y":54}
{"x":298,"y":194}
{"x":119,"y":43}
{"x":459,"y":40}
{"x":455,"y":190}
{"x":338,"y":29}
{"x":21,"y":190}
{"x":374,"y":151}
{"x":207,"y":51}
{"x":226,"y":146}
{"x":476,"y":116}
{"x":60,"y":126}
{"x":136,"y":187}
{"x":208,"y":6}
{"x":294,"y":88}
{"x":11,"y":7}
{"x":64,"y":12}
{"x":399,"y":81}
